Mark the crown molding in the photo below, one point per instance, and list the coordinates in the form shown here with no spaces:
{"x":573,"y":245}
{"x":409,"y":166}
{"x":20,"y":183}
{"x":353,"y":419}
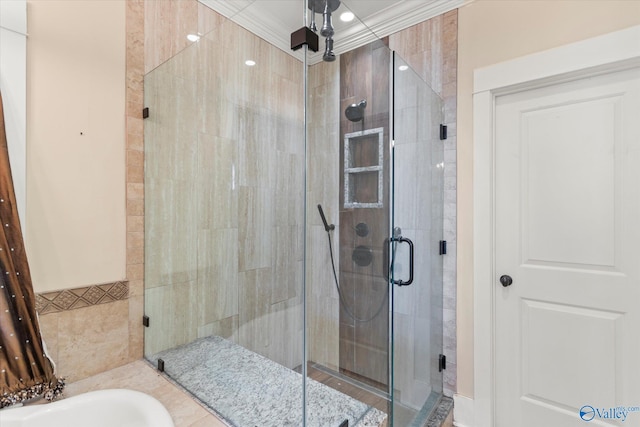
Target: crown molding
{"x":225,"y":7}
{"x":395,"y":17}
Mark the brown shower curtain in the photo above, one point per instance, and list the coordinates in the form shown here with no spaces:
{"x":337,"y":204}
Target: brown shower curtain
{"x":25,"y":369}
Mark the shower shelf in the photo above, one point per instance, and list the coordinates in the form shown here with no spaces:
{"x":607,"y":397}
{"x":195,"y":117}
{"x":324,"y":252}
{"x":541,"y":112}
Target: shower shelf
{"x":363,"y":169}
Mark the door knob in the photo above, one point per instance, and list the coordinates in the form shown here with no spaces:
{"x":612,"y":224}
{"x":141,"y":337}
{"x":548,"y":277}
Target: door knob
{"x":506,"y":280}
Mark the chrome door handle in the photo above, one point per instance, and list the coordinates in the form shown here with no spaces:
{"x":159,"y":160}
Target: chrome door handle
{"x":410,"y":243}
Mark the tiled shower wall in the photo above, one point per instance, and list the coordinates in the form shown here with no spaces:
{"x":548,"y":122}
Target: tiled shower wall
{"x":431,"y":49}
{"x":224,"y":168}
{"x":364,"y":343}
{"x":323,"y":187}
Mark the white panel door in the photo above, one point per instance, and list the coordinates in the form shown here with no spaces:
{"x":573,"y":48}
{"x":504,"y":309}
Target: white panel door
{"x":567,"y":212}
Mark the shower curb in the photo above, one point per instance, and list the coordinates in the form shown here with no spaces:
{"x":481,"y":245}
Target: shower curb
{"x":440,"y":413}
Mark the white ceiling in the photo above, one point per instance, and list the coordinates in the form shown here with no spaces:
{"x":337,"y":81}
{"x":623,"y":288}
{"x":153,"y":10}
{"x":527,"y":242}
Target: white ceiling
{"x":275,"y":20}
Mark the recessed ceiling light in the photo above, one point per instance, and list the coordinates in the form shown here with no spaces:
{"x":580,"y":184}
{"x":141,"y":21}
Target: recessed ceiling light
{"x":347,"y":16}
{"x":403,"y":67}
{"x":250,"y":62}
{"x":193,"y":37}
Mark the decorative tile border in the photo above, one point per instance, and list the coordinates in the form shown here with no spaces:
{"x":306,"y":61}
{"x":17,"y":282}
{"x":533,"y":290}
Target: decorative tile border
{"x":69,"y":299}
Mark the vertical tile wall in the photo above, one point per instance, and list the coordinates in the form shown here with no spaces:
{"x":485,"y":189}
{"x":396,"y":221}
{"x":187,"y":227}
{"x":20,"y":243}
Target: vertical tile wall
{"x":431,"y":48}
{"x":323,"y":187}
{"x":364,"y":343}
{"x":167,"y":24}
{"x":224,"y":194}
{"x":135,"y":172}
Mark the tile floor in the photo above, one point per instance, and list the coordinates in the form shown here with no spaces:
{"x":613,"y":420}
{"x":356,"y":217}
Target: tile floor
{"x":139,"y":375}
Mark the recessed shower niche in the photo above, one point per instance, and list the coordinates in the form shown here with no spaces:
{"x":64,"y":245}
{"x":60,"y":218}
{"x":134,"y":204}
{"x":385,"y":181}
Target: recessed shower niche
{"x":363,"y":165}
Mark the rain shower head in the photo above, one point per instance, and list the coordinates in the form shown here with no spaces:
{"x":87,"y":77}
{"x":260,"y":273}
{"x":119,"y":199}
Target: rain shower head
{"x":328,"y":56}
{"x":355,"y":112}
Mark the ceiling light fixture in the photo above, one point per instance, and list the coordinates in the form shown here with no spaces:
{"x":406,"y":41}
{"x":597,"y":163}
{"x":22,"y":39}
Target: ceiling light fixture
{"x":249,"y":62}
{"x":403,"y":67}
{"x":347,"y":16}
{"x":193,"y":37}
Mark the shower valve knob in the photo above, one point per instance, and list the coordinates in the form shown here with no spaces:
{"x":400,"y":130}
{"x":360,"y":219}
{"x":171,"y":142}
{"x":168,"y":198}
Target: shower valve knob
{"x":506,"y":280}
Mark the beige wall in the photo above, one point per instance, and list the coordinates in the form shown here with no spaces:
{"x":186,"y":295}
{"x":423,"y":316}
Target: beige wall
{"x":493,"y":31}
{"x":75,"y":222}
{"x":76,"y":183}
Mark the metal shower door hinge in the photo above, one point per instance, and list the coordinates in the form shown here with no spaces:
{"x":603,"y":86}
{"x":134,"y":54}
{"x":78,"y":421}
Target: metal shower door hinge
{"x":443,"y":247}
{"x":160,"y":365}
{"x":145,"y":320}
{"x":145,"y":112}
{"x":442,"y":363}
{"x":443,"y":132}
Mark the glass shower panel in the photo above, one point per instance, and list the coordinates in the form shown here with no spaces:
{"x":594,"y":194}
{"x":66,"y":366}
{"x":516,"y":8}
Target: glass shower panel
{"x":417,"y":221}
{"x":238,"y":259}
{"x":171,"y":270}
{"x":224,"y":203}
{"x":360,"y":177}
{"x":348,"y":132}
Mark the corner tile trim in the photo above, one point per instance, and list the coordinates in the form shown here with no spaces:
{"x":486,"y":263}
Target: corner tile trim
{"x":70,"y":299}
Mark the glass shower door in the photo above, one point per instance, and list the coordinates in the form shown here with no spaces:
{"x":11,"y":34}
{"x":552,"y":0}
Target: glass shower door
{"x":417,"y":158}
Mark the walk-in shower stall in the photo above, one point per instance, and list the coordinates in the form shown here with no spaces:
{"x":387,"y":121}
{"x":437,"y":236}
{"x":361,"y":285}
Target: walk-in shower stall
{"x":293,"y":227}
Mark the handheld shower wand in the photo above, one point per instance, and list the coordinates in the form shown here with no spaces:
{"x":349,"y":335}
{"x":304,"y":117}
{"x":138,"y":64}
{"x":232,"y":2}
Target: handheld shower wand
{"x":343,"y":302}
{"x":327,"y":227}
